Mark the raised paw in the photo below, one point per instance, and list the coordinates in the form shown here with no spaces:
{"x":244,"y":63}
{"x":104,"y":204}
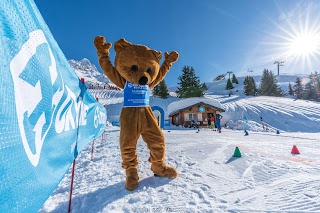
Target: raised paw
{"x":101,"y":46}
{"x":172,"y":57}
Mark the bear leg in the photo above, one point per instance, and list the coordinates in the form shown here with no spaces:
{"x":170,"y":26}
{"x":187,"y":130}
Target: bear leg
{"x":154,"y":138}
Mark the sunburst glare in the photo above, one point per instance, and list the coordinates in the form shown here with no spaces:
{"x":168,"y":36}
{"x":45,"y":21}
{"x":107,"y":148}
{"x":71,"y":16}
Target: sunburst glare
{"x":294,"y":39}
{"x":305,"y":44}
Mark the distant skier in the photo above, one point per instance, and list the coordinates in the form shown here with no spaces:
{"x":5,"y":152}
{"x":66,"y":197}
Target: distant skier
{"x":262,"y":123}
{"x":218,"y":118}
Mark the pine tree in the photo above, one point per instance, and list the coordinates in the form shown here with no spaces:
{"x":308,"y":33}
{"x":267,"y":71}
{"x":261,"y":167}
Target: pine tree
{"x":298,"y":89}
{"x":204,"y":86}
{"x":163,"y":90}
{"x":308,"y":91}
{"x":234,"y":79}
{"x":315,"y":78}
{"x":249,"y":87}
{"x":317,"y":87}
{"x":189,"y":85}
{"x":268,"y":85}
{"x":156,"y":90}
{"x":229,"y":85}
{"x":290,"y":90}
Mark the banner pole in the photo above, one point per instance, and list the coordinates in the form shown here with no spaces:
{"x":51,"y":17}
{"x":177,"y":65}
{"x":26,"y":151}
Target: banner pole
{"x":75,"y":157}
{"x":92,"y":150}
{"x":71,"y":186}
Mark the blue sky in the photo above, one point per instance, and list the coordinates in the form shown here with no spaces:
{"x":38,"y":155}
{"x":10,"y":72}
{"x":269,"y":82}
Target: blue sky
{"x":212,"y":36}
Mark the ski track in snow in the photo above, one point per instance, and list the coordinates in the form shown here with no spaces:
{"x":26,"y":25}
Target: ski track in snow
{"x":282,"y":114}
{"x":268,"y":178}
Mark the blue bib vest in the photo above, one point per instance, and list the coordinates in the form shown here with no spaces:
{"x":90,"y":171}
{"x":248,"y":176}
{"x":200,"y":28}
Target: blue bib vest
{"x":136,"y":95}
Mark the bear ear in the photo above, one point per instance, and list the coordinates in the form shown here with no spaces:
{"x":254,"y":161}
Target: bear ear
{"x":121,"y":44}
{"x":158,"y":55}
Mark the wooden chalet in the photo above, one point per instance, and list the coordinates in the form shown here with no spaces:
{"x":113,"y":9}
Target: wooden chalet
{"x":193,"y":110}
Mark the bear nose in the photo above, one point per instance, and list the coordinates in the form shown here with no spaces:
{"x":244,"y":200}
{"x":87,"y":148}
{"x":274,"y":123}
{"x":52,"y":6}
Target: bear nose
{"x":143,"y":80}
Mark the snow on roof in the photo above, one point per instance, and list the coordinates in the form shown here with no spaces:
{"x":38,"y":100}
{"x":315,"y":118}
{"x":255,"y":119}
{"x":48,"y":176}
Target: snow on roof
{"x":177,"y":106}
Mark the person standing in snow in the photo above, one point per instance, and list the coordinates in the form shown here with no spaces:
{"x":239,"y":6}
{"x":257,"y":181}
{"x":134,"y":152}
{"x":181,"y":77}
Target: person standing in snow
{"x":209,"y":120}
{"x":262,"y":122}
{"x":212,"y":122}
{"x":219,"y":117}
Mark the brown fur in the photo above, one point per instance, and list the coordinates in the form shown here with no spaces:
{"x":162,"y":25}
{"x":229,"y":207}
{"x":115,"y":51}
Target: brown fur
{"x":136,"y":121}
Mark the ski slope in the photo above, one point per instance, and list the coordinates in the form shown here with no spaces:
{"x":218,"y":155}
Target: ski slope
{"x":284,"y":114}
{"x":267,"y":178}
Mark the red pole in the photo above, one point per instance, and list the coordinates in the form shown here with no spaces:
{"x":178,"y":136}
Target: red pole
{"x":71,"y":186}
{"x":92,"y":150}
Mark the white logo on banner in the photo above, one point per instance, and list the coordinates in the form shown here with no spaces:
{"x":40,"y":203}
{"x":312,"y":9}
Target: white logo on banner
{"x":28,"y":96}
{"x":99,"y":117}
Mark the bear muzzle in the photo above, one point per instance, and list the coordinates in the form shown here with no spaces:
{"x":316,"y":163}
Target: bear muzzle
{"x":143,"y":80}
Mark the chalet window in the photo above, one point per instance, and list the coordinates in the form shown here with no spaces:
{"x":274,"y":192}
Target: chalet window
{"x":193,"y":117}
{"x":177,"y":120}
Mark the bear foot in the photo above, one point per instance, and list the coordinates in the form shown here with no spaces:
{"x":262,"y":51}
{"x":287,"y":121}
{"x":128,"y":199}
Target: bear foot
{"x":132,"y":180}
{"x":162,"y":170}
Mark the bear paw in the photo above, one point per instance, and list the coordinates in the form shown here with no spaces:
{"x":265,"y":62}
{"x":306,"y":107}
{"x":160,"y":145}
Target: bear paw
{"x":132,"y":180}
{"x":172,"y":57}
{"x":101,"y":46}
{"x":163,"y":170}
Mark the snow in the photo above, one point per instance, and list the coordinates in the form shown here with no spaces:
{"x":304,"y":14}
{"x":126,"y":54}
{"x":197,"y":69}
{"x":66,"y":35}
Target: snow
{"x":267,"y":178}
{"x":84,"y":69}
{"x":187,"y":102}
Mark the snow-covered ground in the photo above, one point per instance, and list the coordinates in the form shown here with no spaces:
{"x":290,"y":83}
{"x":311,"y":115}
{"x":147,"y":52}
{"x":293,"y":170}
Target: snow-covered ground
{"x":267,"y":178}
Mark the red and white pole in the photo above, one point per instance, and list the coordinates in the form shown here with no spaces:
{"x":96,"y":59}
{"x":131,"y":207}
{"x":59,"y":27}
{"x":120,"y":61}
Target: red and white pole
{"x":71,"y":186}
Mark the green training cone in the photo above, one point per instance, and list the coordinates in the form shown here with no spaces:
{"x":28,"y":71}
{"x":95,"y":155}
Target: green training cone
{"x":237,"y":153}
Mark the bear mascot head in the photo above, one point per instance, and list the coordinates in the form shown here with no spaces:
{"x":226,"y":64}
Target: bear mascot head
{"x":136,"y":70}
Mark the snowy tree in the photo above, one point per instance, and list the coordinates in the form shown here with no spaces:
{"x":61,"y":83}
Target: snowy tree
{"x":268,"y":85}
{"x":234,"y":79}
{"x":189,"y":85}
{"x":291,"y":92}
{"x":298,"y":89}
{"x":249,"y":87}
{"x":229,"y":85}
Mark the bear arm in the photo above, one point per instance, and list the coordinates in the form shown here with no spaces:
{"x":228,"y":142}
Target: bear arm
{"x":111,"y":72}
{"x":165,"y":67}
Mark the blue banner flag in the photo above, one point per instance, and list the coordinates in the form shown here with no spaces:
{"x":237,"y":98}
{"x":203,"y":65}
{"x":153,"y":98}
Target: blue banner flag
{"x":46,"y":113}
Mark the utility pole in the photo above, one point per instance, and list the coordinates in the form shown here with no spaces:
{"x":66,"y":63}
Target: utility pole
{"x":280,"y":63}
{"x":229,"y":72}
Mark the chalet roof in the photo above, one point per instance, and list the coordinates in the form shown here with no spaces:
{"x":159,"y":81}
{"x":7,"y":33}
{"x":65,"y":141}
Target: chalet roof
{"x":178,"y":106}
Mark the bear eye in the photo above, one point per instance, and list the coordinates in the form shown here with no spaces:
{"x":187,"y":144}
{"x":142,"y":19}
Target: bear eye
{"x":134,"y":68}
{"x":149,"y":70}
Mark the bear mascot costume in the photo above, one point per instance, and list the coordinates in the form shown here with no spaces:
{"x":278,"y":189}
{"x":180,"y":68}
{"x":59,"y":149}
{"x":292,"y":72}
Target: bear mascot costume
{"x":137,"y":70}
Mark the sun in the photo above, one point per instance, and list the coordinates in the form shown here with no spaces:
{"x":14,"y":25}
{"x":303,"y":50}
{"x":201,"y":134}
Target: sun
{"x":304,"y":44}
